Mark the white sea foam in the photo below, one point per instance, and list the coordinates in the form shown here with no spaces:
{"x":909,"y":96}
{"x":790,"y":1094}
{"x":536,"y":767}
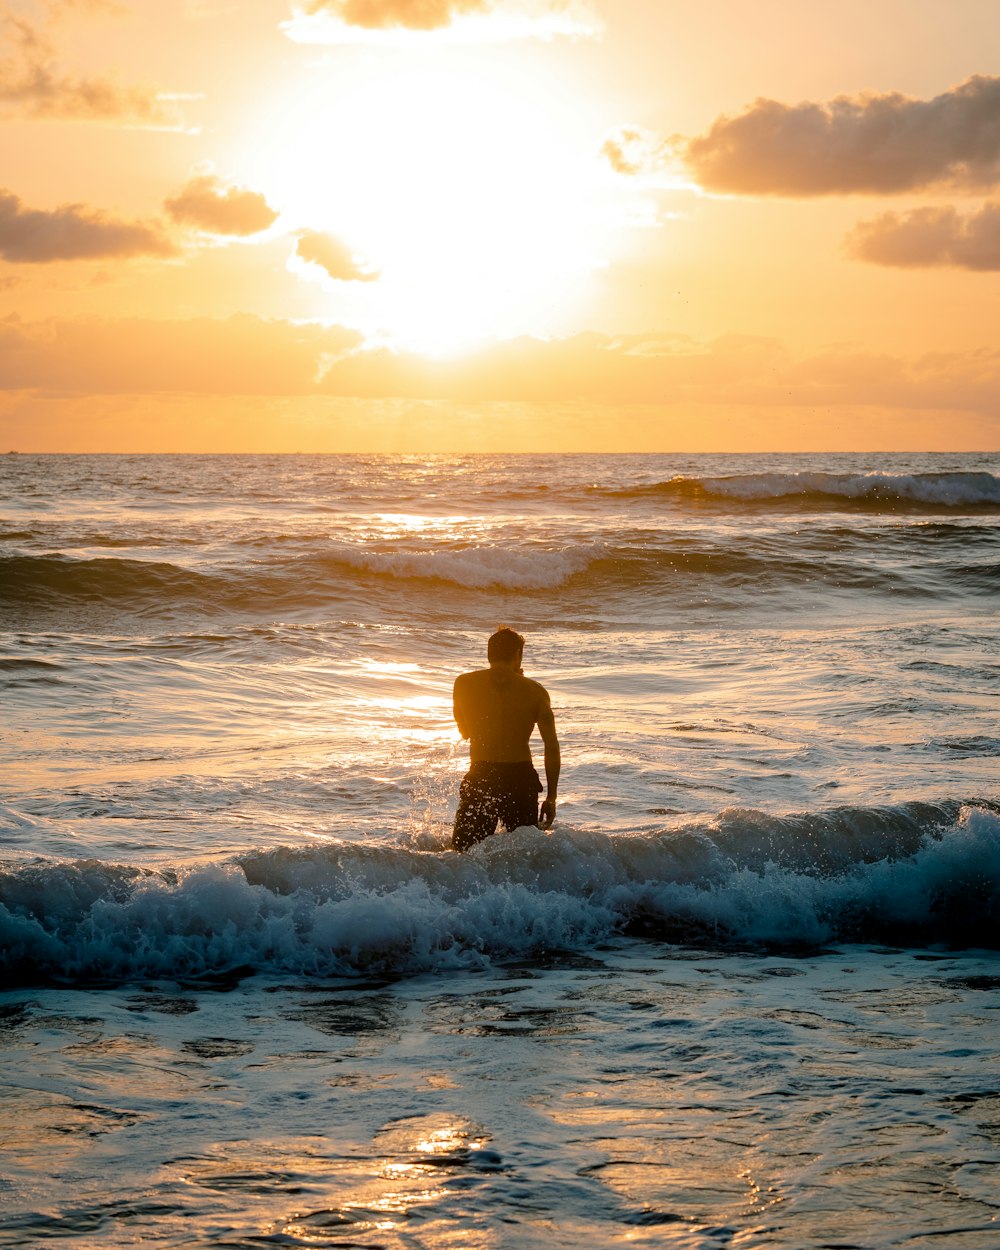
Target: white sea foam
{"x":346,"y":909}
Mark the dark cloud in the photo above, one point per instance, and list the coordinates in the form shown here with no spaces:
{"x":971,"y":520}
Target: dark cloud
{"x":389,"y":14}
{"x":930,"y":236}
{"x":330,"y":254}
{"x":73,"y":232}
{"x":867,"y":144}
{"x":32,"y":85}
{"x":205,"y":203}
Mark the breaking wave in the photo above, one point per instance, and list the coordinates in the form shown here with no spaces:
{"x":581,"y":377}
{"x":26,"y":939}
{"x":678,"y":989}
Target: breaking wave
{"x":870,"y":491}
{"x":324,"y":572}
{"x":913,"y":874}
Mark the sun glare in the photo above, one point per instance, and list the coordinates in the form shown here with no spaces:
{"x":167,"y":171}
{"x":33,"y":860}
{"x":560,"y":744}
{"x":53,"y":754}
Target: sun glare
{"x":477,"y":205}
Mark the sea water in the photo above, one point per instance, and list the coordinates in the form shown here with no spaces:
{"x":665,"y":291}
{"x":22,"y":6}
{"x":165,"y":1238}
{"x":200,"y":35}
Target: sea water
{"x":745,"y":993}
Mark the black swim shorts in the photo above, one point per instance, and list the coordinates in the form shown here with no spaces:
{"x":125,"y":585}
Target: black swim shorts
{"x":491,"y":794}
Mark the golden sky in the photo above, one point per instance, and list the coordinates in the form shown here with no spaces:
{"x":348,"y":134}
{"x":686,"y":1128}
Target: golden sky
{"x":516,"y":225}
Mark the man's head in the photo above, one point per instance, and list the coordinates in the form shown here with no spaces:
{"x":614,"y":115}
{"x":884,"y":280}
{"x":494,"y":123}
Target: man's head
{"x":505,"y":646}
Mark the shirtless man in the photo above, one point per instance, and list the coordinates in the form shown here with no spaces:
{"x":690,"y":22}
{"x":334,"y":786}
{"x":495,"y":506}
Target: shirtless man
{"x":497,"y":708}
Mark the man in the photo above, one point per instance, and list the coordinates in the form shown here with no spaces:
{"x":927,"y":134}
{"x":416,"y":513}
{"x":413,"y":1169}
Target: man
{"x":496,"y":709}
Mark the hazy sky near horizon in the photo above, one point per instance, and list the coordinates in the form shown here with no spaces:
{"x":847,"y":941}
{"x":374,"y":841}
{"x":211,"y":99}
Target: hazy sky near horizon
{"x":499,"y":224}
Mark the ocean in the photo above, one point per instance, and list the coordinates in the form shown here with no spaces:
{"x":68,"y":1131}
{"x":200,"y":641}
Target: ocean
{"x":744,"y":994}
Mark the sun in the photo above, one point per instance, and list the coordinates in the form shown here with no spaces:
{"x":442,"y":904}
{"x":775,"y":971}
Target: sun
{"x":474,"y":192}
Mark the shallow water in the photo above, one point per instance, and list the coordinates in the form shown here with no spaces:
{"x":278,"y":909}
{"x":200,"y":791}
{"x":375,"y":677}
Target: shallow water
{"x":745,"y":993}
{"x":642,"y":1094}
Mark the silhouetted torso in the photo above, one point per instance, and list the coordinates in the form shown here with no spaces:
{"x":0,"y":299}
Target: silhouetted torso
{"x":497,"y":711}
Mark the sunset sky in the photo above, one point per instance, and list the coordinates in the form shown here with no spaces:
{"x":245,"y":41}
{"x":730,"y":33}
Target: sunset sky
{"x":515,"y":225}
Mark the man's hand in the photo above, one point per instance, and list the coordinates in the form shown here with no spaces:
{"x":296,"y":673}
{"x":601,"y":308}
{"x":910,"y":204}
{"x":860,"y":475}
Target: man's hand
{"x":547,"y":814}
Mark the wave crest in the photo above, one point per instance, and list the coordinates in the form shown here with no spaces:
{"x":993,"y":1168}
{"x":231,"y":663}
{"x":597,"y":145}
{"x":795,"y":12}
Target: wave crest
{"x":880,"y":491}
{"x":514,"y":568}
{"x":918,"y":874}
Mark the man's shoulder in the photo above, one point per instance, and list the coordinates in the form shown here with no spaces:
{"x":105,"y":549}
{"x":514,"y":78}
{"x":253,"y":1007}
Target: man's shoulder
{"x":536,"y":688}
{"x":472,"y":678}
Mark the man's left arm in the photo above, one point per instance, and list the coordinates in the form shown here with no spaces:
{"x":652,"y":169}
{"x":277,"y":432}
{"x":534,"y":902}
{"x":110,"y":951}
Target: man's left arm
{"x":553,"y":761}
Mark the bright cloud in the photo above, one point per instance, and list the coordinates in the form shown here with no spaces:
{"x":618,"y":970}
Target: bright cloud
{"x":73,"y":232}
{"x":205,"y":203}
{"x":930,"y":236}
{"x":866,"y":144}
{"x":386,"y":14}
{"x":317,"y":248}
{"x":626,"y":152}
{"x":353,"y":21}
{"x":636,"y":154}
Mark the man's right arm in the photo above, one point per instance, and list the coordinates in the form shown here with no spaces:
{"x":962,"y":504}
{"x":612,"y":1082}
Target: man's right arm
{"x":458,"y":706}
{"x":553,"y":760}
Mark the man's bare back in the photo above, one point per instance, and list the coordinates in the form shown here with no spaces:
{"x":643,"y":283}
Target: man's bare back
{"x":497,"y":709}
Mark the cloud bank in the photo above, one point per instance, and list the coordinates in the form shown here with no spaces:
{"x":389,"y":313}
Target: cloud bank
{"x":242,"y":355}
{"x":867,"y":144}
{"x":246,"y":355}
{"x":205,"y":203}
{"x":73,"y":232}
{"x":330,"y":254}
{"x":930,"y":236}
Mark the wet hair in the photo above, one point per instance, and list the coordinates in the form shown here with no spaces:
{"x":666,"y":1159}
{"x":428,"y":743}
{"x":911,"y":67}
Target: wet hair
{"x":504,"y":645}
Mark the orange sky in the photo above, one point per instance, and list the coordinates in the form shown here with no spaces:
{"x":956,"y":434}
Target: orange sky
{"x":450,"y":225}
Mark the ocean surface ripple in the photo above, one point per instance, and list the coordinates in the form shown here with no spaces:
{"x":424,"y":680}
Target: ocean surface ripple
{"x":744,"y":993}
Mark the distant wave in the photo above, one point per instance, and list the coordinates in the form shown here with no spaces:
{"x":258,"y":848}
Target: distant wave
{"x":915,"y":874}
{"x":51,"y":578}
{"x":514,"y":568}
{"x":925,"y":561}
{"x":869,"y":491}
